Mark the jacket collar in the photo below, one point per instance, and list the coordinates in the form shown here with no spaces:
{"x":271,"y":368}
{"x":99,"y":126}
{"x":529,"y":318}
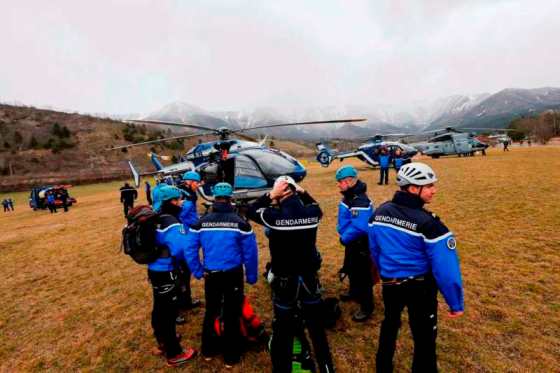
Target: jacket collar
{"x":408,"y":200}
{"x":222,"y":207}
{"x":358,"y":188}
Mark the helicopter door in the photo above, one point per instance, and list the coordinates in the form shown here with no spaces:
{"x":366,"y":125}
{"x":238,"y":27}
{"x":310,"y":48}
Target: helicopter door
{"x":462,"y":145}
{"x":247,"y":174}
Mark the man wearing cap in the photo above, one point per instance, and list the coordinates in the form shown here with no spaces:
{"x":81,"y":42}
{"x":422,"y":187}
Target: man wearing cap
{"x":188,"y":216}
{"x":416,"y":255}
{"x":292,"y":217}
{"x":170,"y":235}
{"x":228,"y":244}
{"x":354,"y":211}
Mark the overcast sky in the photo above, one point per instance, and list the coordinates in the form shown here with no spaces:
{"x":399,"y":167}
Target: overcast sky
{"x":137,"y":55}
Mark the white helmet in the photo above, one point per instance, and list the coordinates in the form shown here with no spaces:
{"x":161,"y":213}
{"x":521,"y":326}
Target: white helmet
{"x":416,"y":173}
{"x":287,"y":179}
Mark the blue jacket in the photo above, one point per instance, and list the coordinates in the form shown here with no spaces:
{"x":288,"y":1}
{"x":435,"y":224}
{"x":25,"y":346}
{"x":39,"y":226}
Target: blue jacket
{"x":354,"y":211}
{"x":227,"y":242}
{"x":407,"y":240}
{"x":384,"y":160}
{"x":188,"y":214}
{"x":398,"y":162}
{"x":170,"y":234}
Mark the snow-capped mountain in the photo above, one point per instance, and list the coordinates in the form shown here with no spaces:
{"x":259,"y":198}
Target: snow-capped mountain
{"x":480,"y":110}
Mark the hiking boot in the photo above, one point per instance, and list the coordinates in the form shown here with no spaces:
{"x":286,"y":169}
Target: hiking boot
{"x":193,"y":304}
{"x":180,"y":320}
{"x":361,"y":316}
{"x":182,"y":358}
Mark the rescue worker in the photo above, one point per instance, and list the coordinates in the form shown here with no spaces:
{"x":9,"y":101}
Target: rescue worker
{"x":228,"y":244}
{"x":384,"y":162}
{"x":188,"y":216}
{"x":354,"y":211}
{"x":51,"y":203}
{"x":170,"y":235}
{"x":128,"y":195}
{"x":415,"y":254}
{"x":64,"y":199}
{"x":398,"y":160}
{"x":295,"y":261}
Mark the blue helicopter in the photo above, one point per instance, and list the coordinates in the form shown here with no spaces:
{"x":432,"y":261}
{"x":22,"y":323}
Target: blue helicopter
{"x":367,"y":152}
{"x":248,"y":165}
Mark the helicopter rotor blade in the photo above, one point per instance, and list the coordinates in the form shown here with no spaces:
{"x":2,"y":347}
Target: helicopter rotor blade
{"x":299,"y":124}
{"x":175,"y":124}
{"x":160,"y":140}
{"x":247,"y":137}
{"x":490,"y":129}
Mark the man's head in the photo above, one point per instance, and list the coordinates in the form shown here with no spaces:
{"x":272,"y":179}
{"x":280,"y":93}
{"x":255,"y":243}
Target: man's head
{"x":418,"y":179}
{"x":168,"y":195}
{"x":222,"y":192}
{"x":346,"y":177}
{"x":127,"y":185}
{"x":284,"y":187}
{"x":191,"y":179}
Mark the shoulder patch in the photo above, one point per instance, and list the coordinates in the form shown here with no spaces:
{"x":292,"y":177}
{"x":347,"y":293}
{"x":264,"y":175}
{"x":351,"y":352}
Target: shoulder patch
{"x":355,"y":213}
{"x":451,"y":243}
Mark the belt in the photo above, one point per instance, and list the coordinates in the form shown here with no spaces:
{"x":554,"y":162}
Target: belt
{"x":400,"y":280}
{"x":211,"y":272}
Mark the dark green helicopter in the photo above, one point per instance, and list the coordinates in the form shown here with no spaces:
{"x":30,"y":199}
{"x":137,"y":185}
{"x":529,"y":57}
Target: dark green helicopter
{"x":246,"y":163}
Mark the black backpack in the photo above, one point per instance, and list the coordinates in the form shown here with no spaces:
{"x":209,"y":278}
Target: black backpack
{"x":139,"y":235}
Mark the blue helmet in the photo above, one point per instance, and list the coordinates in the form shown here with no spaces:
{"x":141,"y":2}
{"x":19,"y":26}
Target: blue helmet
{"x":222,"y":190}
{"x":191,"y":175}
{"x":166,"y":193}
{"x":346,"y":171}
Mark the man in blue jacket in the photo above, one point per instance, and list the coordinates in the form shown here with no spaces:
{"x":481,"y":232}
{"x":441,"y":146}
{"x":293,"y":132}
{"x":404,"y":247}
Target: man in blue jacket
{"x":354,"y":211}
{"x":170,"y":236}
{"x":384,"y":163}
{"x":416,"y":255}
{"x":228,"y":243}
{"x":188,"y":216}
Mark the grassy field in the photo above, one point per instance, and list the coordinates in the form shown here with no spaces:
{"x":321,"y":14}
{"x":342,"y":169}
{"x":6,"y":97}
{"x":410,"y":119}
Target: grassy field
{"x":72,"y":301}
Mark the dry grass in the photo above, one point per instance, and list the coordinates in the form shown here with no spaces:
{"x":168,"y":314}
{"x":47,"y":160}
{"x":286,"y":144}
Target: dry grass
{"x":70,"y":300}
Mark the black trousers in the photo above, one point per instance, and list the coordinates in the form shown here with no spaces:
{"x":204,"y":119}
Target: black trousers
{"x":357,"y":261}
{"x":420,"y":298}
{"x":127,"y":206}
{"x":184,"y":286}
{"x":164,"y":312}
{"x":52,"y":207}
{"x":384,"y":175}
{"x":297,"y":299}
{"x":224,"y":296}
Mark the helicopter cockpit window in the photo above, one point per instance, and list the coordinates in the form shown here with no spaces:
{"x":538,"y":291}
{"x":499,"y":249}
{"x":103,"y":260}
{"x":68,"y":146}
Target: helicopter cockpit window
{"x":272,"y":164}
{"x":247,"y":173}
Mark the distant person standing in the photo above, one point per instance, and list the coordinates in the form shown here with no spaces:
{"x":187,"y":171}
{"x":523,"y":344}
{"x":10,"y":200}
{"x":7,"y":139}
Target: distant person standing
{"x":148,"y":190}
{"x":51,"y":202}
{"x":64,"y":199}
{"x":11,"y":203}
{"x":384,"y":162}
{"x":398,"y":160}
{"x":128,"y":195}
{"x":506,"y":144}
{"x":6,"y":205}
